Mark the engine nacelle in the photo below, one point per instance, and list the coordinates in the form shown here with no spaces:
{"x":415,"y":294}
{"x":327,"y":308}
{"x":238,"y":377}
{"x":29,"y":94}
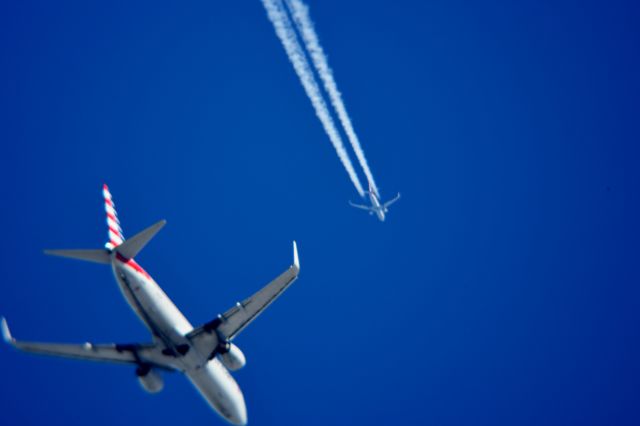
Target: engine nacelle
{"x":150,"y":379}
{"x":232,"y":357}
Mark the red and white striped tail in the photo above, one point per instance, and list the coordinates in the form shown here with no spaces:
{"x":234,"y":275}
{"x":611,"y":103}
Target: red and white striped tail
{"x":115,"y":231}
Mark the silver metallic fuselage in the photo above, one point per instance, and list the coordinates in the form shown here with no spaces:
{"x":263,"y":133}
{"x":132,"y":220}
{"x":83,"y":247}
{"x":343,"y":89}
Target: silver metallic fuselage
{"x":376,"y":206}
{"x":169,"y":327}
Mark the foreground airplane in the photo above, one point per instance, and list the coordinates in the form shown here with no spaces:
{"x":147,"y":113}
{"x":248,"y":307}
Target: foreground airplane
{"x":203,"y":354}
{"x":376,"y":207}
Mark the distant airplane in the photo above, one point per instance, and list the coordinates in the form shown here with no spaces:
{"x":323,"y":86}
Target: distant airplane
{"x":203,"y":354}
{"x":376,"y":207}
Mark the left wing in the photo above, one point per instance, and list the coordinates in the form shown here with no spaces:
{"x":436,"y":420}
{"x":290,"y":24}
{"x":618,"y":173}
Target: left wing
{"x":360,"y":206}
{"x":388,"y":203}
{"x":227,"y":326}
{"x":117,"y":353}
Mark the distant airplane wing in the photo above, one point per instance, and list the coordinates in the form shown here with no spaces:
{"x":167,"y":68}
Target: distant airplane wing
{"x":388,"y":203}
{"x":360,"y":206}
{"x":228,"y":325}
{"x":118,"y":353}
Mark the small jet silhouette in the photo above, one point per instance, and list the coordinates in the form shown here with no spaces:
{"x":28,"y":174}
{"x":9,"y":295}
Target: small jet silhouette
{"x":376,"y":206}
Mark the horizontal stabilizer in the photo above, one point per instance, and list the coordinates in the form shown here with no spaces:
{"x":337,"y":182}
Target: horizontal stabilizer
{"x":90,"y":255}
{"x":132,"y":246}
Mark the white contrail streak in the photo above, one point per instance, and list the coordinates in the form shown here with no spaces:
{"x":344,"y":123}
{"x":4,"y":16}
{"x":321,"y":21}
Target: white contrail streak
{"x":286,"y":34}
{"x":300,"y":13}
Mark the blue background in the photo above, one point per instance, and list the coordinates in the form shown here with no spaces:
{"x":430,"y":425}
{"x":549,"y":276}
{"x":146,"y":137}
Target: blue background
{"x":502,"y":290}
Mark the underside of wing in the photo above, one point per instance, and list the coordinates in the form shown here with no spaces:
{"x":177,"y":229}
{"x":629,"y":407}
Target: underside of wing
{"x":359,"y":206}
{"x":393,"y":200}
{"x":226,"y":326}
{"x":116,"y":353}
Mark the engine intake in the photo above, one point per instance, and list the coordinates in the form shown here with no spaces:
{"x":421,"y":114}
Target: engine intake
{"x":231,"y":356}
{"x":149,"y":378}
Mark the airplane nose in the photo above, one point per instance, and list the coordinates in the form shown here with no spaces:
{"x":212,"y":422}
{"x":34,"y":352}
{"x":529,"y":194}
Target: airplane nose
{"x":237,"y":409}
{"x":241,"y":419}
{"x":238,"y":415}
{"x":221,"y":392}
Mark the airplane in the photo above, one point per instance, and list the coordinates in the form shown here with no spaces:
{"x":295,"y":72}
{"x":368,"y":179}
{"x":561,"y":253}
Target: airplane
{"x":204,"y":354}
{"x":376,"y":207}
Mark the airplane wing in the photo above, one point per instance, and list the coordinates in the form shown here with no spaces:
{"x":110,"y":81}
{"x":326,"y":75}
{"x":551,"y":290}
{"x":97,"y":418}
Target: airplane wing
{"x":388,"y":203}
{"x":360,"y":206}
{"x":117,"y":353}
{"x":228,"y":325}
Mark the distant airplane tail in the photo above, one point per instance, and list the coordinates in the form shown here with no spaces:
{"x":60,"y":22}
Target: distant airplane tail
{"x":373,"y":191}
{"x":127,"y":249}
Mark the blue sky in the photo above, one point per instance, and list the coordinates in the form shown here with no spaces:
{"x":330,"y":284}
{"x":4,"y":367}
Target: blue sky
{"x":503,"y":288}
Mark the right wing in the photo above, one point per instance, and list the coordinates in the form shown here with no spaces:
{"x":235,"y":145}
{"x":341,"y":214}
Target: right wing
{"x":360,"y":206}
{"x":388,"y":203}
{"x":227,"y":326}
{"x":118,"y":353}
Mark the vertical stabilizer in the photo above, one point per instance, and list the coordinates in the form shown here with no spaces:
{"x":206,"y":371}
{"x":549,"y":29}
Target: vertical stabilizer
{"x":115,"y":231}
{"x":116,"y":243}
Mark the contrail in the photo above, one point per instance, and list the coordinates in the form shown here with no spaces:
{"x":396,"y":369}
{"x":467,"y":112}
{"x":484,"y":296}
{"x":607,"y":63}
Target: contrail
{"x":286,"y":34}
{"x":300,"y":13}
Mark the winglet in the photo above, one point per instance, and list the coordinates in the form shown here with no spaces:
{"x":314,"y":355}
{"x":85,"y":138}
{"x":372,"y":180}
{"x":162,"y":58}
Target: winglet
{"x":296,"y":260}
{"x":6,"y":334}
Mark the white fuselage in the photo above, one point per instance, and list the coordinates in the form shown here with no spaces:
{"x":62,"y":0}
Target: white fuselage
{"x":376,"y":207}
{"x":169,"y":327}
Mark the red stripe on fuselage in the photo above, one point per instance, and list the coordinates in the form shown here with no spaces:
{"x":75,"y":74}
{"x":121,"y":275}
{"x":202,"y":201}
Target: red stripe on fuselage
{"x":132,"y":263}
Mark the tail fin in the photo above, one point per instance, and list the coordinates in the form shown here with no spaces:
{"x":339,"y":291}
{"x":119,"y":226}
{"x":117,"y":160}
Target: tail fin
{"x":373,"y":190}
{"x":115,"y":231}
{"x":127,"y":249}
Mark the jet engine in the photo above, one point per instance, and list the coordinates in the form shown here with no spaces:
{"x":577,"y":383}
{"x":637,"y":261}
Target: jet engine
{"x":150,"y":379}
{"x":231,"y":356}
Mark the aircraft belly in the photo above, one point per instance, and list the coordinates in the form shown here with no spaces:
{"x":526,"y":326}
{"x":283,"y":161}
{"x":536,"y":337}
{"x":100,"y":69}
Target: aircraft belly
{"x":220,"y":390}
{"x":152,"y":305}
